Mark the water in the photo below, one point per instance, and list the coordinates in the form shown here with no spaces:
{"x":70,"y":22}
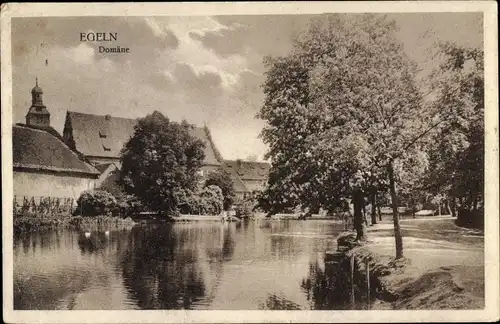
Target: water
{"x":200,"y":265}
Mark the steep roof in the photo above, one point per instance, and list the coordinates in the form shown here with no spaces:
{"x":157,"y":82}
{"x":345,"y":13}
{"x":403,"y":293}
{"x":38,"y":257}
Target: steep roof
{"x":105,"y":136}
{"x":248,"y":170}
{"x":239,"y":186}
{"x":241,"y":171}
{"x":102,"y":167}
{"x":38,"y":149}
{"x":48,"y":129}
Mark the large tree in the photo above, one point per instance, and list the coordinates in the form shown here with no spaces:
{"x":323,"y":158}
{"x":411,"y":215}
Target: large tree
{"x":343,"y":111}
{"x":160,"y":162}
{"x":457,"y":156}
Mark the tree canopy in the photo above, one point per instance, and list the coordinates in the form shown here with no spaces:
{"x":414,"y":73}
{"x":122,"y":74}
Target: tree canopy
{"x":457,"y":155}
{"x":160,"y":162}
{"x":346,"y":117}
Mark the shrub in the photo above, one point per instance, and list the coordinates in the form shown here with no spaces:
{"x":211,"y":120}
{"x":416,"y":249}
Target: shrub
{"x":470,"y":218}
{"x":222,"y":179}
{"x":212,"y":200}
{"x":245,"y":208}
{"x":209,"y":201}
{"x":96,"y":202}
{"x":125,"y":204}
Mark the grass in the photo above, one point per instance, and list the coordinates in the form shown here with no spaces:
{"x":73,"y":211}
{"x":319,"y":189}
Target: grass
{"x":445,"y":268}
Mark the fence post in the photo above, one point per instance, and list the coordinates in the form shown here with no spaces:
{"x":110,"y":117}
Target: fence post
{"x":368,"y":282}
{"x":353,"y":299}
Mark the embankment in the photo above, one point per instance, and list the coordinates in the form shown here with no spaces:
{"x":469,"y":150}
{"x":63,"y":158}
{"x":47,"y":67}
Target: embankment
{"x":404,"y":284}
{"x":30,"y":224}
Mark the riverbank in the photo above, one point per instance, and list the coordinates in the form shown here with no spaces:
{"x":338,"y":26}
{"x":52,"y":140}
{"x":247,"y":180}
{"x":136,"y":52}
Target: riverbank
{"x":443,"y":266}
{"x":30,"y":224}
{"x":218,"y":218}
{"x":185,"y":219}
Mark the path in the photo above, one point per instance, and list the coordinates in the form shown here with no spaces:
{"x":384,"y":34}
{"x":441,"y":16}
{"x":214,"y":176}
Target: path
{"x":447,"y":263}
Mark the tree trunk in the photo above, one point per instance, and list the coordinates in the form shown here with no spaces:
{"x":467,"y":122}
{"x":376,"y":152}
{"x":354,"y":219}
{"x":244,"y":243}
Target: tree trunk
{"x":364,"y":213}
{"x":413,"y":207}
{"x":447,"y":206}
{"x":359,"y":220}
{"x":374,"y":207}
{"x":379,"y":213}
{"x":395,"y":217}
{"x":453,"y":205}
{"x":439,"y":208}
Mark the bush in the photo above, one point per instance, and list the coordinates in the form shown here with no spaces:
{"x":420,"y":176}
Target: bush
{"x":222,"y":179}
{"x":470,"y":218}
{"x":212,"y":200}
{"x":126,"y":204}
{"x":96,"y":202}
{"x":245,"y":208}
{"x":209,"y":201}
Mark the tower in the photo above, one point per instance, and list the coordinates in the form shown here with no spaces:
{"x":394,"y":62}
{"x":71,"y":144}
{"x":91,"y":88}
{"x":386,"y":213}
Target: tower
{"x":37,"y":115}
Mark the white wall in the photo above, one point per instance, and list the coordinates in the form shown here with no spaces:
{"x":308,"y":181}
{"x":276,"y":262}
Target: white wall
{"x":50,"y":185}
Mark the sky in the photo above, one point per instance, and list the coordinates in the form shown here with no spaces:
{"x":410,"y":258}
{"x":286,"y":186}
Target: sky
{"x":205,"y":69}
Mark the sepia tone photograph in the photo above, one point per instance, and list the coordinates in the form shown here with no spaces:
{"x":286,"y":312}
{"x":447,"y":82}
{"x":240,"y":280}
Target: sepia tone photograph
{"x":325,"y":161}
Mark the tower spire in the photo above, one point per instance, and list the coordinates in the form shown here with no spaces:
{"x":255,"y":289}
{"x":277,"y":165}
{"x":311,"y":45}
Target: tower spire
{"x":38,"y":115}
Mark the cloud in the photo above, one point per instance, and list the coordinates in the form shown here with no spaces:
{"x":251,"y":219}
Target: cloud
{"x":195,"y":78}
{"x":162,"y":32}
{"x":81,"y":54}
{"x":191,"y":51}
{"x":203,"y":69}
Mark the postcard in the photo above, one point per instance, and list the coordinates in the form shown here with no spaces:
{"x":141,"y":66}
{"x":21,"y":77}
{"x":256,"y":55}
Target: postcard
{"x":250,"y":162}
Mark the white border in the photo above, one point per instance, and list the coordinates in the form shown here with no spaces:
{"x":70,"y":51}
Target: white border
{"x":489,"y":9}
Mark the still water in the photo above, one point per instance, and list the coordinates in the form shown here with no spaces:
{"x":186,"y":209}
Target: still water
{"x":200,"y":265}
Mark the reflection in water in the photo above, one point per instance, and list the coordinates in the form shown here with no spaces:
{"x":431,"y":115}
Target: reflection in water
{"x":323,"y":288}
{"x":274,"y":302}
{"x":91,"y":244}
{"x":171,"y":278}
{"x":204,"y":265}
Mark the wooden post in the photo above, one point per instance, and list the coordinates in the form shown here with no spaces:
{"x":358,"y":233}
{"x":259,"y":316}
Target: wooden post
{"x":368,"y":283}
{"x":353,"y":300}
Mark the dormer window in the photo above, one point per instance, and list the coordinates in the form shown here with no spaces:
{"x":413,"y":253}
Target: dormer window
{"x":102,"y":134}
{"x":107,"y":149}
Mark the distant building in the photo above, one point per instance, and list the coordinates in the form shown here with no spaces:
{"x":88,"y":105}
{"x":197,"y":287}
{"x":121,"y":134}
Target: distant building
{"x":43,"y":165}
{"x":101,"y":138}
{"x":109,"y":173}
{"x":249,"y":177}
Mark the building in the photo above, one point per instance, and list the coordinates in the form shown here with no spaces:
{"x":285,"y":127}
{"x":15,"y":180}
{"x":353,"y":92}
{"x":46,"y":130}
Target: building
{"x":109,"y":173}
{"x":37,"y":115}
{"x":47,"y":164}
{"x":249,"y":177}
{"x":43,"y":165}
{"x":101,"y":138}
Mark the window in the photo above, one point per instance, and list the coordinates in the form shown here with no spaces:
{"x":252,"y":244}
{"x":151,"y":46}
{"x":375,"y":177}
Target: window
{"x":102,"y":134}
{"x":107,"y":149}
